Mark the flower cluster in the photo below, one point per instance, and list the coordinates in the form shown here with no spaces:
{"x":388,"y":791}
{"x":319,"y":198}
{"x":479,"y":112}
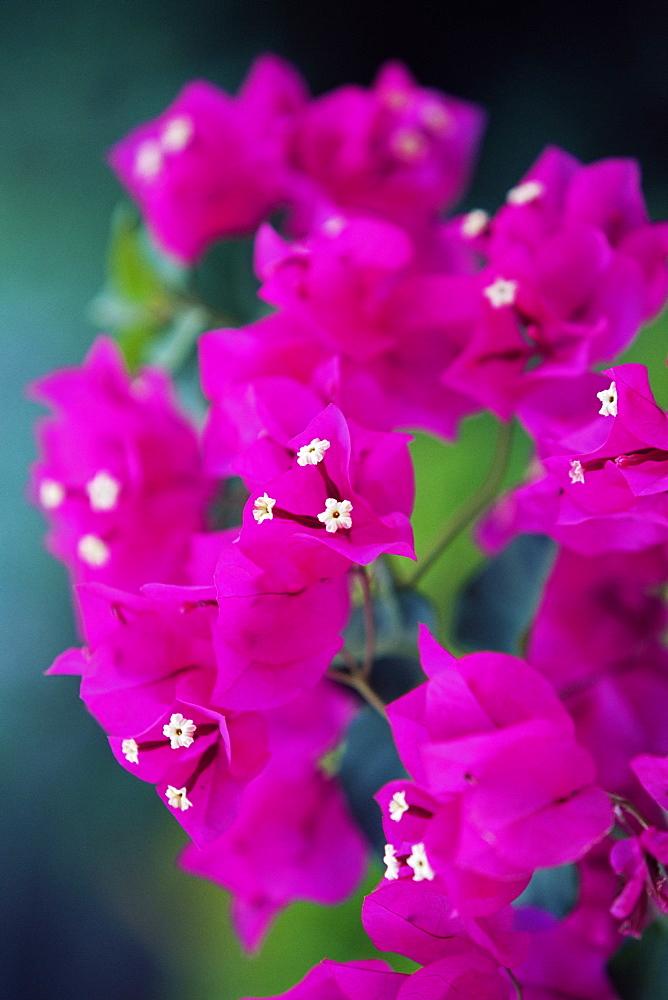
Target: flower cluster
{"x":225,"y":663}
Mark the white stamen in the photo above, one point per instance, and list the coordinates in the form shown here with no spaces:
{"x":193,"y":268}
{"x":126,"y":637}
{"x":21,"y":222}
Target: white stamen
{"x":408,"y":144}
{"x":177,"y":798}
{"x":422,"y":870}
{"x":51,"y":494}
{"x":148,"y":161}
{"x":93,"y":550}
{"x":311,"y":454}
{"x":336,"y":514}
{"x":177,"y":134}
{"x":390,"y":859}
{"x":103,"y":491}
{"x":262,"y":509}
{"x":398,"y":806}
{"x":334,"y":226}
{"x":608,"y":401}
{"x":524,"y":193}
{"x":179,"y":731}
{"x":501,"y":293}
{"x":435,"y":117}
{"x":130,"y":751}
{"x":475,"y":223}
{"x":576,"y":472}
{"x":397,"y":100}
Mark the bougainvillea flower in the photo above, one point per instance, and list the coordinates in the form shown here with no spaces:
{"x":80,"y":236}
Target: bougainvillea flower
{"x":608,"y":491}
{"x":362,"y":295}
{"x":487,"y":737}
{"x":201,"y":781}
{"x":119,"y":475}
{"x":351,"y":493}
{"x":573,"y":268}
{"x":212,"y":165}
{"x":396,"y":150}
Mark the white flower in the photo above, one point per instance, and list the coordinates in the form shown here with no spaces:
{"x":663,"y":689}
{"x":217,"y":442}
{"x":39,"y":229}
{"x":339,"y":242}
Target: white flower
{"x":525,"y":193}
{"x":177,"y":133}
{"x":398,"y":806}
{"x":390,"y":859}
{"x":336,"y":514}
{"x":103,"y":491}
{"x":501,"y":293}
{"x":93,"y":550}
{"x":51,"y":494}
{"x":311,"y":454}
{"x":422,"y":870}
{"x":435,"y":117}
{"x":475,"y":223}
{"x":177,"y":798}
{"x":148,"y":161}
{"x":608,"y":401}
{"x":262,"y":509}
{"x":179,"y":731}
{"x":408,"y":144}
{"x":576,"y":472}
{"x":130,"y":751}
{"x":334,"y":225}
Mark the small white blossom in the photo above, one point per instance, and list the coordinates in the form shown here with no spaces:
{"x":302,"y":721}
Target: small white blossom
{"x":93,"y":550}
{"x":311,"y":454}
{"x":396,"y":100}
{"x":475,"y":223}
{"x":524,"y":193}
{"x":393,"y":865}
{"x":501,"y":293}
{"x":576,"y":472}
{"x":262,"y":509}
{"x":177,"y":798}
{"x":177,"y":134}
{"x":51,"y":494}
{"x":179,"y":731}
{"x":408,"y":144}
{"x":103,"y":491}
{"x":422,"y":870}
{"x":130,"y":751}
{"x":398,"y":806}
{"x":435,"y":117}
{"x":334,"y":225}
{"x":148,"y":161}
{"x":336,"y":514}
{"x":608,"y":401}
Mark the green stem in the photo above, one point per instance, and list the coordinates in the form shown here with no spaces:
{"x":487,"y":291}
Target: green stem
{"x":369,"y":624}
{"x":467,"y":514}
{"x":513,"y":979}
{"x":358,"y":682}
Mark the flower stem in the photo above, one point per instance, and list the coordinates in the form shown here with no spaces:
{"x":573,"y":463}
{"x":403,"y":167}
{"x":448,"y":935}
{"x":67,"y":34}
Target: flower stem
{"x":369,"y":624}
{"x":518,"y":988}
{"x":356,"y":680}
{"x":467,"y":514}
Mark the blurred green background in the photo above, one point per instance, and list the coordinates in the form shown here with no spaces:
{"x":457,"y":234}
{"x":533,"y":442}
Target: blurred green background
{"x":92,"y":905}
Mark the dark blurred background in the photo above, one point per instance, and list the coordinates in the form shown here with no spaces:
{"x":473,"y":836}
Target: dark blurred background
{"x":91,"y":904}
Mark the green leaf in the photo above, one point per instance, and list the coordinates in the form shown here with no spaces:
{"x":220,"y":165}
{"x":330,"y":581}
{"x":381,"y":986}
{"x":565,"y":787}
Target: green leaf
{"x":497,"y":605}
{"x":369,"y":761}
{"x":130,"y":273}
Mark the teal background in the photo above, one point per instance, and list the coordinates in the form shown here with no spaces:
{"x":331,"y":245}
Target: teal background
{"x":92,"y":905}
